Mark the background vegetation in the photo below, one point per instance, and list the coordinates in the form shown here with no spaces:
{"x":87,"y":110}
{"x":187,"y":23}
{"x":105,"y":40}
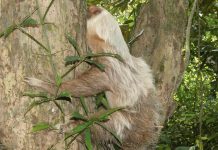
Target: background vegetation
{"x":194,"y":124}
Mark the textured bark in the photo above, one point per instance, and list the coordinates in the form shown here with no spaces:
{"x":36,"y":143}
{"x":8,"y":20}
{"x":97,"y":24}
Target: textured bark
{"x":164,"y":23}
{"x":22,"y":57}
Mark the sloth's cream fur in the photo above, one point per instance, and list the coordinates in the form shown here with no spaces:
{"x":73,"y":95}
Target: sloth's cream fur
{"x":133,"y":77}
{"x":129,"y":84}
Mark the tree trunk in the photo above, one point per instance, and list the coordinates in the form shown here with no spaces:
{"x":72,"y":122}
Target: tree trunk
{"x":20,"y":57}
{"x":164,"y":23}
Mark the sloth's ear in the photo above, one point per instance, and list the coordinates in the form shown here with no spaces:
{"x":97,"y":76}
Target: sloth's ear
{"x":93,"y":11}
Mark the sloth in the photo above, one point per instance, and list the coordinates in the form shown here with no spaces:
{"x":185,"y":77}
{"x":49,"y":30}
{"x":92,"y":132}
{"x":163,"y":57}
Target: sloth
{"x":128,"y":84}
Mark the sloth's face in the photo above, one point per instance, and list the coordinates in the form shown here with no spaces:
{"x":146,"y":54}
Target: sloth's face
{"x":93,"y":11}
{"x":103,"y":31}
{"x":94,"y":41}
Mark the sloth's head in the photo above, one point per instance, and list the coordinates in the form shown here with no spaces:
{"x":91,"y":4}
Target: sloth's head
{"x":102,"y":26}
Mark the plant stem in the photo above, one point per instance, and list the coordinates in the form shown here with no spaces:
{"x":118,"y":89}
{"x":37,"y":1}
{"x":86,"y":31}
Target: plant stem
{"x":72,"y":68}
{"x":188,"y":32}
{"x":47,"y":41}
{"x":46,"y":12}
{"x":31,"y":37}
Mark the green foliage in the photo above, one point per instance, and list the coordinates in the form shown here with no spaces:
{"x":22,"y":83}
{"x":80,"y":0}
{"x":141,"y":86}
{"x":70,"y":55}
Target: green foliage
{"x":77,"y":116}
{"x":73,"y":42}
{"x":26,"y":22}
{"x":42,"y":126}
{"x":89,"y":59}
{"x":125,"y":11}
{"x":29,"y":22}
{"x":85,"y":108}
{"x":88,"y":139}
{"x":194,"y":124}
{"x":58,"y":80}
{"x":72,"y":60}
{"x":66,"y":96}
{"x":88,"y":122}
{"x":101,"y":100}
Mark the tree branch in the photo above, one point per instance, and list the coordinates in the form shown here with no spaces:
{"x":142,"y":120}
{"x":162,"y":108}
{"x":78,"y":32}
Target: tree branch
{"x":188,"y":32}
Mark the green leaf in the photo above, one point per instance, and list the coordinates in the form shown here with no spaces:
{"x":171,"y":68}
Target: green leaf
{"x":9,"y":30}
{"x":184,"y":148}
{"x":33,"y":94}
{"x":29,"y":22}
{"x":66,"y":96}
{"x":107,"y":113}
{"x":199,"y":143}
{"x":213,"y":136}
{"x":85,"y":108}
{"x":73,"y":42}
{"x":41,"y":126}
{"x":163,"y":147}
{"x":105,"y":103}
{"x":69,"y":60}
{"x":101,"y":100}
{"x":117,"y":146}
{"x":88,"y":139}
{"x":98,"y":65}
{"x":81,"y":127}
{"x":78,"y":129}
{"x":78,"y":116}
{"x":58,"y":80}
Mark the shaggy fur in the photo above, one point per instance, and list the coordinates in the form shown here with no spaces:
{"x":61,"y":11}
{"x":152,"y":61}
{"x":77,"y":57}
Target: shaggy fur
{"x":129,"y":84}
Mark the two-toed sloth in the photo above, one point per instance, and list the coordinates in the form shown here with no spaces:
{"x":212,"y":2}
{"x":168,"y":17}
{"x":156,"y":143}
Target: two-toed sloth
{"x":127,"y":84}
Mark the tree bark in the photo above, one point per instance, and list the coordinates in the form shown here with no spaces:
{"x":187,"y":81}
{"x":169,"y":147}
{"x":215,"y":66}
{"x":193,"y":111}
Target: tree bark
{"x":21,"y":57}
{"x":164,"y":23}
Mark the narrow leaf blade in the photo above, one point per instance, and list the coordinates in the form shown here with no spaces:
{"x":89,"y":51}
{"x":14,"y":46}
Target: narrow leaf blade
{"x":73,"y":42}
{"x":36,"y":94}
{"x":41,"y":126}
{"x":77,"y":116}
{"x":66,"y":96}
{"x":9,"y":30}
{"x":85,"y":108}
{"x":98,"y":65}
{"x":58,"y":80}
{"x":88,"y":139}
{"x":29,"y":22}
{"x":108,"y":112}
{"x":69,"y":60}
{"x":101,"y":100}
{"x":78,"y":129}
